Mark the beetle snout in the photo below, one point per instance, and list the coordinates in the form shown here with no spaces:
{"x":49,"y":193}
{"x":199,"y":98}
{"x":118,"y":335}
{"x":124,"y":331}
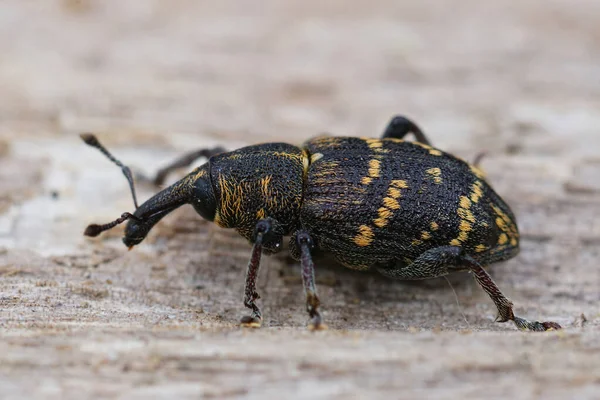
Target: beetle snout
{"x":135,"y":233}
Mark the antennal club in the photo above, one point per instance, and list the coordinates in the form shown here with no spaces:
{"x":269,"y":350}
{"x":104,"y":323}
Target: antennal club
{"x":91,"y":140}
{"x":94,"y":230}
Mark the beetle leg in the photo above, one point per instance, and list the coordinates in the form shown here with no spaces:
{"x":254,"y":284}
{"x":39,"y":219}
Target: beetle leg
{"x":184,"y":161}
{"x":305,"y":244}
{"x":265,"y":234}
{"x":504,"y":305}
{"x":401,"y":126}
{"x":442,"y":260}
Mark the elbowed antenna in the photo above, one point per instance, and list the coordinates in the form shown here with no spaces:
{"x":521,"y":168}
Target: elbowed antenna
{"x":91,"y":140}
{"x":95,"y":229}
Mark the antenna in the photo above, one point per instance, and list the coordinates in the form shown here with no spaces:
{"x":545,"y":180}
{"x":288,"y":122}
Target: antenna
{"x":91,"y":140}
{"x":94,"y":230}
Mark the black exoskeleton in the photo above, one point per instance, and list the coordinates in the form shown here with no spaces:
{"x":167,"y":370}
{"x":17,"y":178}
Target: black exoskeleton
{"x":405,"y":209}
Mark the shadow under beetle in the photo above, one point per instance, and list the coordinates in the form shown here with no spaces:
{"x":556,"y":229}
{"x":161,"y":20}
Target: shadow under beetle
{"x":405,"y":209}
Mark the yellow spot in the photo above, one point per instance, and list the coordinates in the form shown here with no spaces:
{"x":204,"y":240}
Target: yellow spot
{"x":455,"y":242}
{"x":436,"y":173}
{"x":435,"y":152}
{"x":434,"y":226}
{"x":513,"y":242}
{"x":374,"y":168}
{"x":425,"y":235}
{"x":366,"y":180}
{"x":480,"y":248}
{"x":416,"y":242}
{"x":315,"y":157}
{"x":391,"y":203}
{"x":260,"y":214}
{"x":374,"y":143}
{"x":400,"y":184}
{"x":364,"y":237}
{"x":385,"y":212}
{"x":380,"y":222}
{"x":465,"y":202}
{"x":394,"y":193}
{"x":477,"y":192}
{"x":465,"y":226}
{"x":423,"y":145}
{"x":478,"y":172}
{"x":466,"y":214}
{"x":503,"y":239}
{"x":501,"y":224}
{"x":463,"y":236}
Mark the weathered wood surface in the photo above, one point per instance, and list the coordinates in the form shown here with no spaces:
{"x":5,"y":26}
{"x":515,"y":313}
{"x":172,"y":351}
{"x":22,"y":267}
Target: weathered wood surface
{"x":87,"y":319}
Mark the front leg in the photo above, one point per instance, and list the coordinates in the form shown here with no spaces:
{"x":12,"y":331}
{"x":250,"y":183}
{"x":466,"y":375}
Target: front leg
{"x":263,"y":232}
{"x":305,"y":245}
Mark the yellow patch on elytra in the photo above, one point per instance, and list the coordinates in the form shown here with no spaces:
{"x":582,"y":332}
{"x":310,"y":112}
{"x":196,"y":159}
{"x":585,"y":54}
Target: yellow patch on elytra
{"x":374,"y":168}
{"x":435,"y":152}
{"x":400,"y":184}
{"x":423,"y":145}
{"x":385,"y":212}
{"x":380,"y":222}
{"x":480,"y":248}
{"x":501,"y":224}
{"x":364,"y":237}
{"x":425,"y":235}
{"x":365,"y":180}
{"x":465,"y":226}
{"x":260,"y":214}
{"x":391,"y":203}
{"x":393,"y":193}
{"x":374,"y":143}
{"x":477,"y":172}
{"x":502,"y":239}
{"x":464,"y":202}
{"x":436,"y":173}
{"x":507,"y":226}
{"x":477,"y":192}
{"x":416,"y":242}
{"x":434,"y":226}
{"x":466,"y":214}
{"x":455,"y":242}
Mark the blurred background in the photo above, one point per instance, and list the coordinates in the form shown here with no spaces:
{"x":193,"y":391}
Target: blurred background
{"x":519,"y":79}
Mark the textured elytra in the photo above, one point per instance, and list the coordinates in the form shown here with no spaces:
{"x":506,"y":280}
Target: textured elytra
{"x":377,"y":203}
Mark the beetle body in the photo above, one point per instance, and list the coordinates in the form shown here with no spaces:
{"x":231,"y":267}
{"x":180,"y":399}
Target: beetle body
{"x":404,"y":208}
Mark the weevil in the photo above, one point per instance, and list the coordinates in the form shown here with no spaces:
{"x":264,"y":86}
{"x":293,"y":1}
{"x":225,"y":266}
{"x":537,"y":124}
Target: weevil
{"x":403,"y":208}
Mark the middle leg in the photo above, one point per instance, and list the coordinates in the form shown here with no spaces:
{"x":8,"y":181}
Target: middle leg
{"x":305,"y":245}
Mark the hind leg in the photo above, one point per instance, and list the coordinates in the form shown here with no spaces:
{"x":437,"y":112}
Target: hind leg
{"x":442,"y":260}
{"x":401,"y":126}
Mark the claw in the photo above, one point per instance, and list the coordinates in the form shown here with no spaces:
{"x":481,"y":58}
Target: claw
{"x":551,"y":326}
{"x":249,"y":321}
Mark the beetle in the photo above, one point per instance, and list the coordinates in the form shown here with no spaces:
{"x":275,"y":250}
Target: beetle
{"x":403,"y":208}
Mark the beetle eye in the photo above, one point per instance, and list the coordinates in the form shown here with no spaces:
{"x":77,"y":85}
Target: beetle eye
{"x":203,"y":198}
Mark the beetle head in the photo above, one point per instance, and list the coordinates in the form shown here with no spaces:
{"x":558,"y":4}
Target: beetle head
{"x":195,"y":188}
